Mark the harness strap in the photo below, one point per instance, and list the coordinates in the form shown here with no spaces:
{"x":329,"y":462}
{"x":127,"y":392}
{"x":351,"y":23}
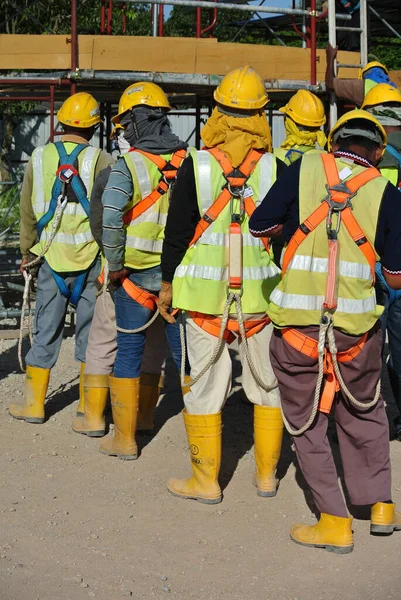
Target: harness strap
{"x":73,"y":295}
{"x":309,"y":347}
{"x":322,"y":211}
{"x":66,"y":162}
{"x":143,"y":297}
{"x":235,"y":178}
{"x":212,"y":325}
{"x":168,"y":172}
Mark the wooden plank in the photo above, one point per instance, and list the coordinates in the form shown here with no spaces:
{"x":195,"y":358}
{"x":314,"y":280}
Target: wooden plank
{"x":166,"y":55}
{"x":396,"y":77}
{"x":123,"y":53}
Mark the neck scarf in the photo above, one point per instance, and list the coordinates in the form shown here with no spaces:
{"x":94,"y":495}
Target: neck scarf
{"x":300,"y":137}
{"x":236,"y":136}
{"x":389,"y":116}
{"x":149,"y":129}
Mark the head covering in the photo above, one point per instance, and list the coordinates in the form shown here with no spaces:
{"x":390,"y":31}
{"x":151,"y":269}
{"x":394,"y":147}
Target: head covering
{"x":389,"y":116}
{"x":378,"y":75}
{"x":301,"y":137}
{"x":149,"y":129}
{"x":122,"y":144}
{"x":237,"y":135}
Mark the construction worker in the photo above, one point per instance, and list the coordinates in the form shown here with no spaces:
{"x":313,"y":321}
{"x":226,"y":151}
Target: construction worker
{"x":304,"y":116}
{"x":102,"y":342}
{"x":384,"y":102}
{"x":206,"y":243}
{"x":338,"y":216}
{"x":135,"y":204}
{"x":57,"y":184}
{"x":354,"y":90}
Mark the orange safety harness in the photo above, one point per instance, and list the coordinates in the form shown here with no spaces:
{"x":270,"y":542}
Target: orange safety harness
{"x":338,"y":200}
{"x":168,"y":174}
{"x":236,"y":179}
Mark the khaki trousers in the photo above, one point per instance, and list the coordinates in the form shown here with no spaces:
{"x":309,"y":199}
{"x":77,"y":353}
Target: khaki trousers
{"x":210,"y":393}
{"x":102,"y":343}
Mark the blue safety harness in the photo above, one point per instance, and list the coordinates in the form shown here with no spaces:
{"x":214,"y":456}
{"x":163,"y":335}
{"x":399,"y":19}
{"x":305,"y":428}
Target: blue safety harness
{"x":67,"y":175}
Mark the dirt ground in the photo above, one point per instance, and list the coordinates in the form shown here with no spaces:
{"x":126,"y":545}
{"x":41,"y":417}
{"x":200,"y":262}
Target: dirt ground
{"x":75,"y":524}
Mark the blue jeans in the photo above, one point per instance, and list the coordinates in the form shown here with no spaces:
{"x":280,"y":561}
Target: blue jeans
{"x":391,"y":323}
{"x":131,"y":315}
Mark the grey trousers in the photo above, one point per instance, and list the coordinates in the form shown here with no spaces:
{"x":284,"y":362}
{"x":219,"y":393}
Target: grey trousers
{"x":51,"y":309}
{"x":363,"y":436}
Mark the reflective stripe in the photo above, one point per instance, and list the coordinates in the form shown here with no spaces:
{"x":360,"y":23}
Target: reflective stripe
{"x":72,"y":208}
{"x":37,"y":165}
{"x":304,"y":302}
{"x":150,"y":216}
{"x":143,"y":244}
{"x":68,"y":238}
{"x":142,"y":174}
{"x":265,"y":176}
{"x":204,"y":180}
{"x":221,"y":274}
{"x":320,"y":265}
{"x":90,"y":154}
{"x":221,"y":239}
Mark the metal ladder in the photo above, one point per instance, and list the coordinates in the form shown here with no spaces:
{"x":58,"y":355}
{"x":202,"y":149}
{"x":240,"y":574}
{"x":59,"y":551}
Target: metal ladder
{"x":362,"y":30}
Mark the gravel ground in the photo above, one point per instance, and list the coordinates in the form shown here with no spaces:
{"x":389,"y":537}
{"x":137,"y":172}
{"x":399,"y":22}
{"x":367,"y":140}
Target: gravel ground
{"x":76,"y":524}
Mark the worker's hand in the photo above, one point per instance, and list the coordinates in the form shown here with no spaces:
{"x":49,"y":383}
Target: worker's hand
{"x":331,"y":53}
{"x":24,"y":261}
{"x":115,"y":276}
{"x":165,"y":301}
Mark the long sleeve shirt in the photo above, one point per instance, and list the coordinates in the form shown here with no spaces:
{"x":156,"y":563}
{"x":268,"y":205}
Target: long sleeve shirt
{"x":28,"y":230}
{"x":116,"y":196}
{"x":183,"y":217}
{"x":279,"y":211}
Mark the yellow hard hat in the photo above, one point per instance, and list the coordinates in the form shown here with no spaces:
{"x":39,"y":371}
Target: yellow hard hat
{"x":242,"y":88}
{"x":372,"y":64}
{"x":305,"y":109}
{"x":143,"y":92}
{"x":380,"y":94}
{"x":352,"y":116}
{"x":80,"y":110}
{"x":116,"y":127}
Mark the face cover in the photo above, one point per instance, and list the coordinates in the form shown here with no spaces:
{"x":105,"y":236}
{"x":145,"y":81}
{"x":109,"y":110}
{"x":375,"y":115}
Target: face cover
{"x":121,"y":144}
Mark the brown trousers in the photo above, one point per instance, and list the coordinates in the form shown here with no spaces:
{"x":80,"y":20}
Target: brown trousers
{"x":363,"y":436}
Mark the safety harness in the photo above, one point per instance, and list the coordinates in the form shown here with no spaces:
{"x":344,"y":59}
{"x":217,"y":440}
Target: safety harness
{"x":337,"y":201}
{"x":67,"y":174}
{"x":235,"y":187}
{"x":168,"y":175}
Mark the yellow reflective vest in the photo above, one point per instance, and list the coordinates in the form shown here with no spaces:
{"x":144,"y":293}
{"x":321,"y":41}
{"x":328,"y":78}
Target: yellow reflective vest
{"x":200,"y":281}
{"x":145,"y":234}
{"x":73,"y":248}
{"x":298,"y":298}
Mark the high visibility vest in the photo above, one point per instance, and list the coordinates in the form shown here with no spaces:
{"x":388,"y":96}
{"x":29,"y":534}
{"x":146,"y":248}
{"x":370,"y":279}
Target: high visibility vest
{"x":73,"y":247}
{"x":368,"y":84}
{"x":145,"y":234}
{"x":298,"y":298}
{"x":391,"y":174}
{"x":288,"y":156}
{"x":200,"y":281}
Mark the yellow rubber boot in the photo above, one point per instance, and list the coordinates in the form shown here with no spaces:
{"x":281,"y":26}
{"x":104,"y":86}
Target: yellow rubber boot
{"x":96,"y":390}
{"x":81,"y":404}
{"x":331,"y":533}
{"x":124,"y":394}
{"x":149,"y":392}
{"x":384,"y":519}
{"x":36,"y":384}
{"x":204,"y":438}
{"x":268,"y":436}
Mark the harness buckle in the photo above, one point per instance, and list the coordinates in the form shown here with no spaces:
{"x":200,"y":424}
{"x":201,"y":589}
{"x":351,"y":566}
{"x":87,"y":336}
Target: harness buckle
{"x":343,"y":189}
{"x":236,"y":193}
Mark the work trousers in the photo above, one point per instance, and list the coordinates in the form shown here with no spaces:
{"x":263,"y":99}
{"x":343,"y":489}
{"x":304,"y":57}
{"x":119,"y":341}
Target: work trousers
{"x":132,"y":315}
{"x":363,"y":435}
{"x":391,"y":325}
{"x":50,"y":313}
{"x":102,"y":344}
{"x":210,"y":393}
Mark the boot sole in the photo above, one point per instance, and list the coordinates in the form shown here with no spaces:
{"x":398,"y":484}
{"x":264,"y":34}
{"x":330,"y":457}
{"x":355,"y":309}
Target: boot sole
{"x":97,"y":433}
{"x":328,"y":547}
{"x":197,"y":498}
{"x":34,"y":420}
{"x":263,"y":494}
{"x":384,"y":529}
{"x":120,"y":456}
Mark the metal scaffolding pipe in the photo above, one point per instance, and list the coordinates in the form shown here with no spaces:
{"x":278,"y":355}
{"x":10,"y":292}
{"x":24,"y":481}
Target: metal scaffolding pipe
{"x":313,"y":14}
{"x":74,"y":42}
{"x":27,"y":79}
{"x":386,"y":23}
{"x":230,"y":6}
